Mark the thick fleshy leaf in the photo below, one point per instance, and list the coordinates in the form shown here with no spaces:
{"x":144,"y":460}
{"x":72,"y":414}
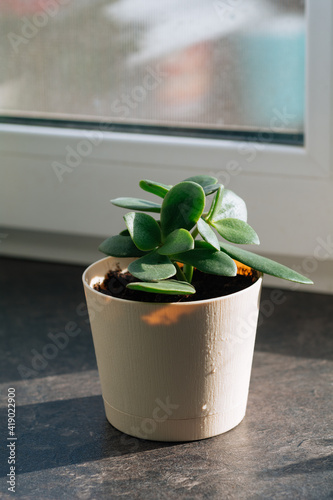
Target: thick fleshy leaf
{"x":120,"y":246}
{"x":144,"y":230}
{"x":155,"y":187}
{"x":208,"y":234}
{"x":199,"y":244}
{"x":208,"y":261}
{"x":203,"y":180}
{"x":232,"y":206}
{"x":180,"y":240}
{"x":211,"y":189}
{"x":137,"y":204}
{"x":182,"y":207}
{"x":168,"y":287}
{"x":208,"y":183}
{"x":236,"y":231}
{"x":125,"y":232}
{"x":263,"y":264}
{"x":152,"y":267}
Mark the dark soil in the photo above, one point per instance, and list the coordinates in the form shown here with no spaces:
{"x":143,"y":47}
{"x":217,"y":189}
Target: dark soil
{"x":208,"y":286}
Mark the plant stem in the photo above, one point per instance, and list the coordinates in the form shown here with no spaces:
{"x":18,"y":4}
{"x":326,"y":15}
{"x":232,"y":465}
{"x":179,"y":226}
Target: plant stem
{"x":188,"y":271}
{"x":180,"y":275}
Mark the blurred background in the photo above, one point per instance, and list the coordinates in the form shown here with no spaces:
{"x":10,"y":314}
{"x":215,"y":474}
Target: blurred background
{"x":216,"y":64}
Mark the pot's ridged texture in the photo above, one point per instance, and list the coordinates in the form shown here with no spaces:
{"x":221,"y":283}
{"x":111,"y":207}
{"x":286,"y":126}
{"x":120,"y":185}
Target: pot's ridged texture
{"x":173,"y":372}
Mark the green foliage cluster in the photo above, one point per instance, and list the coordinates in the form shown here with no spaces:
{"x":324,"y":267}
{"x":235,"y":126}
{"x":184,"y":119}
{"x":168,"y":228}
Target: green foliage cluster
{"x":161,"y":245}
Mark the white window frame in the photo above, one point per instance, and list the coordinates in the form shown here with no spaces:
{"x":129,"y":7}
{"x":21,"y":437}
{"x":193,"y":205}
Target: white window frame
{"x":258,"y":157}
{"x":27,"y":151}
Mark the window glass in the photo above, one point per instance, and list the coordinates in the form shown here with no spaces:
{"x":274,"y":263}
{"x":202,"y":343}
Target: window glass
{"x":223,"y":65}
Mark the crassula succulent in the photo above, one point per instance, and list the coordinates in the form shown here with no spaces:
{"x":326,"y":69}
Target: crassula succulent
{"x":194,"y":215}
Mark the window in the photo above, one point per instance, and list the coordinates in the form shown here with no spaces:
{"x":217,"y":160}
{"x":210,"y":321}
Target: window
{"x":225,"y":68}
{"x":65,"y":144}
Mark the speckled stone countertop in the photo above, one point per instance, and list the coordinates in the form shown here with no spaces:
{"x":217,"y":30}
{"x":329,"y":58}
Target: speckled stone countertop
{"x":65,"y":448}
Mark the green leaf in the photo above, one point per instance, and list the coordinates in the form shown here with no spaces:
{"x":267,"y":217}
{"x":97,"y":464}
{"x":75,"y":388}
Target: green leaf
{"x":199,"y":244}
{"x":208,"y":234}
{"x":203,"y":180}
{"x":152,"y":267}
{"x":180,"y":240}
{"x":208,"y":261}
{"x":137,"y":204}
{"x":182,"y":207}
{"x":263,"y":264}
{"x":169,"y":287}
{"x":211,"y":189}
{"x":155,"y":187}
{"x":216,"y":204}
{"x":232,"y":206}
{"x":125,"y":232}
{"x":144,"y":230}
{"x":236,"y":231}
{"x":120,"y":246}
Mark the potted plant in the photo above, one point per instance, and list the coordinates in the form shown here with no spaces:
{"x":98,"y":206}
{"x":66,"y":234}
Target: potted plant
{"x":174,"y":310}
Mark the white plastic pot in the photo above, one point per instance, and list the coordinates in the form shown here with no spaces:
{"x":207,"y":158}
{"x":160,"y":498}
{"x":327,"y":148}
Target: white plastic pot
{"x":175,"y":371}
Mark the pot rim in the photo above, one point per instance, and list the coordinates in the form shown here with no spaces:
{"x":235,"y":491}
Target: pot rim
{"x":182,"y":304}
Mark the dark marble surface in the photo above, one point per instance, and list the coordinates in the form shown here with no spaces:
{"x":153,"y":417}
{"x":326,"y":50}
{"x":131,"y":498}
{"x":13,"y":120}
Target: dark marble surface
{"x":65,"y":448}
